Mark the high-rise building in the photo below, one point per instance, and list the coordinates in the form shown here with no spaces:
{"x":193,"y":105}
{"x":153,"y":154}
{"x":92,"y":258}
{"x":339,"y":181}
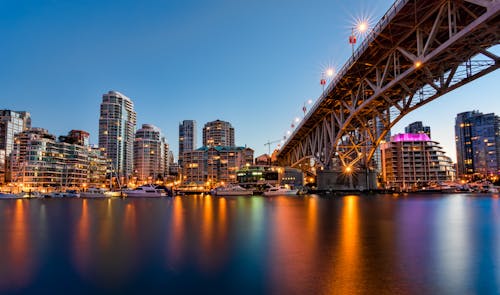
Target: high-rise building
{"x":116,"y":132}
{"x":477,"y":138}
{"x":187,"y":138}
{"x":412,"y":160}
{"x":218,"y":133}
{"x":418,"y":127}
{"x":150,"y":154}
{"x":11,"y":123}
{"x":38,"y":160}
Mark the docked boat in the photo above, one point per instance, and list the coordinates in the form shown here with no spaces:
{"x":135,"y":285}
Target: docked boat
{"x":94,"y":192}
{"x":145,"y":191}
{"x":280,"y":191}
{"x":8,"y":196}
{"x":65,"y":194}
{"x":231,"y":190}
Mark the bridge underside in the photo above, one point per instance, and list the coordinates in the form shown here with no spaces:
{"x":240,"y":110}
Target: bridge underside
{"x":419,"y":51}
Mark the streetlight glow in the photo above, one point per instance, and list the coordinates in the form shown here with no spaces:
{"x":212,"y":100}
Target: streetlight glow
{"x":362,"y":27}
{"x":329,"y":72}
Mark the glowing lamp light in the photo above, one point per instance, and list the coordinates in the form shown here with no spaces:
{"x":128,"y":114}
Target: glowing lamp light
{"x":329,"y":72}
{"x":418,"y":64}
{"x":362,"y":27}
{"x":297,"y":119}
{"x":348,"y":169}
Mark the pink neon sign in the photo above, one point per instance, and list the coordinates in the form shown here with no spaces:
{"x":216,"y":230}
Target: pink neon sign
{"x":410,"y":137}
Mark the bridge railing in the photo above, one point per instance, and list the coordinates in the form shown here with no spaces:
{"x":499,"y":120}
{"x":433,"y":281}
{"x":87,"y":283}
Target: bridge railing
{"x":377,"y":29}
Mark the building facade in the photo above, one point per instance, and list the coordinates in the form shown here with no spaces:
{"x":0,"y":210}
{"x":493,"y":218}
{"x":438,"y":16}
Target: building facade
{"x":410,"y":161}
{"x":116,"y":132}
{"x":151,"y":154}
{"x":418,"y":128}
{"x":11,"y":123}
{"x":215,"y":164}
{"x":38,"y":160}
{"x":79,"y":137}
{"x":477,"y":138}
{"x":218,"y":133}
{"x":187,"y":138}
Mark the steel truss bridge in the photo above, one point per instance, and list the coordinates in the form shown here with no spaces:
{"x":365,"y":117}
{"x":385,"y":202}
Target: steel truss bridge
{"x":419,"y":51}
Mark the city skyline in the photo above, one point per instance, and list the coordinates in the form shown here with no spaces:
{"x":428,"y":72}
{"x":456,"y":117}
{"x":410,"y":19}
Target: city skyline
{"x":201,"y":63}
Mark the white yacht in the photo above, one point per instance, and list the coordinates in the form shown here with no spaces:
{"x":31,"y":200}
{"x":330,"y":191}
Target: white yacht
{"x":280,"y":191}
{"x":231,"y":190}
{"x":8,"y":196}
{"x":144,"y":191}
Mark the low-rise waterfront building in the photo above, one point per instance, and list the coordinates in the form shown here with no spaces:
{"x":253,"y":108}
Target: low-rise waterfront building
{"x":38,"y":160}
{"x":412,"y":160}
{"x":215,"y":164}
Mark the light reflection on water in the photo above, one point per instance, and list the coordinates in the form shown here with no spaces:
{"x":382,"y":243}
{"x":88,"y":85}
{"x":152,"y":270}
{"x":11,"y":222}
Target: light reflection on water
{"x":444,"y":244}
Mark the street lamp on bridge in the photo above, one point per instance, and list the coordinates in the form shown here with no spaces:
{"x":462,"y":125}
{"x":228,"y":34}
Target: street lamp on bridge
{"x":325,"y":76}
{"x":359,"y":29}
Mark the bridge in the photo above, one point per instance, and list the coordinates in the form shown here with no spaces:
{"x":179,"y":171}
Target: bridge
{"x":418,"y":51}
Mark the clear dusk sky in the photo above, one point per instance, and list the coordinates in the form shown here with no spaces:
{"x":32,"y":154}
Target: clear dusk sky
{"x":250,"y":62}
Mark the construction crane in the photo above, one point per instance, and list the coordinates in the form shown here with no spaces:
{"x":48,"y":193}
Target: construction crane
{"x":268,"y":143}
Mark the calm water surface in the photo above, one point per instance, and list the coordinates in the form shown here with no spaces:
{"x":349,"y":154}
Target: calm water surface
{"x":432,"y":244}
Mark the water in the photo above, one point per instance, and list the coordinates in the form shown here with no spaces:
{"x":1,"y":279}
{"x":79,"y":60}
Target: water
{"x":429,"y":244}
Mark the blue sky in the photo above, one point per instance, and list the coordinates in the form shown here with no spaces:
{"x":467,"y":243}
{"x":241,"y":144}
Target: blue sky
{"x":252,"y":63}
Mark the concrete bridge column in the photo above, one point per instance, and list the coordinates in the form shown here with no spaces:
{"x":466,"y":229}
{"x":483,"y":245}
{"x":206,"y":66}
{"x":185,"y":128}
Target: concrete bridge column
{"x":337,"y":180}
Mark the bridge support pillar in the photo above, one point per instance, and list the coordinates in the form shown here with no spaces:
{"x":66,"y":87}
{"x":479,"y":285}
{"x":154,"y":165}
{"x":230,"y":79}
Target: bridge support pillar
{"x":336,"y":180}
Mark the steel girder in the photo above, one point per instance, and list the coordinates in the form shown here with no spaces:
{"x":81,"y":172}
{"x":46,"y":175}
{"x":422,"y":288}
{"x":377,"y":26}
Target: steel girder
{"x":420,"y":50}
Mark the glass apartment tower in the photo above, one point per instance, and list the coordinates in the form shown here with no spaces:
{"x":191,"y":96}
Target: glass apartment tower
{"x":187,"y":138}
{"x":477,"y":138}
{"x":418,"y":128}
{"x":11,"y":123}
{"x":116,"y":132}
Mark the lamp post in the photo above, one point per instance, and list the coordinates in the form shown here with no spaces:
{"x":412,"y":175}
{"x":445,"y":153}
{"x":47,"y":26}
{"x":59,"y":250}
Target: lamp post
{"x":304,"y":108}
{"x":360,"y":28}
{"x":325,"y":75}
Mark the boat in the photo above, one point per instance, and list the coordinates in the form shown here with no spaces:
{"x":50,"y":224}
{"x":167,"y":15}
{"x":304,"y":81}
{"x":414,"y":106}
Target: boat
{"x":280,"y":191}
{"x":94,"y":192}
{"x":191,"y":188}
{"x":8,"y":196}
{"x":145,"y":191}
{"x":65,"y":194}
{"x":30,"y":194}
{"x":231,"y":190}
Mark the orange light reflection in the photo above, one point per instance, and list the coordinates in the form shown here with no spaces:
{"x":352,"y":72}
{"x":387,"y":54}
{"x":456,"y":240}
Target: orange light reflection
{"x":347,"y":277}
